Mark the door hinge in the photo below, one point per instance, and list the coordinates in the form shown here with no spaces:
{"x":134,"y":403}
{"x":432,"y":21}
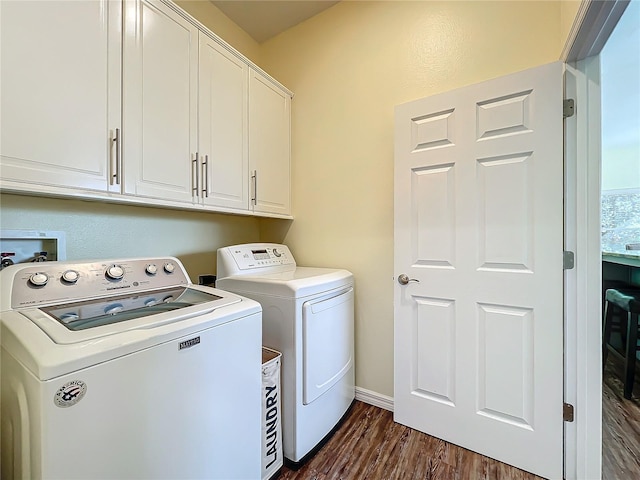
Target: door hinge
{"x":568,"y":107}
{"x":567,"y":412}
{"x":568,"y":260}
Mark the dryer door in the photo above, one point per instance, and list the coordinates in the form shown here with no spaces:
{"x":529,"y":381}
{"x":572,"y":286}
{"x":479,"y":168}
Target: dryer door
{"x":327,"y":345}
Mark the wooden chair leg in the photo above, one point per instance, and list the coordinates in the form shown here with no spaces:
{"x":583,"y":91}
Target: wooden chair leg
{"x":630,"y":360}
{"x":606,"y":331}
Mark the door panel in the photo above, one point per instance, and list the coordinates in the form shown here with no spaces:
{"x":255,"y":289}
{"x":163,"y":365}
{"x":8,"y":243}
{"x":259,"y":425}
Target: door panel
{"x":60,"y":102}
{"x":433,"y":237}
{"x":478,"y":225}
{"x":269,"y":145}
{"x":435,"y":346}
{"x":504,"y":206}
{"x":327,"y":328}
{"x":160,"y":79}
{"x":505,"y":388}
{"x":223,"y":125}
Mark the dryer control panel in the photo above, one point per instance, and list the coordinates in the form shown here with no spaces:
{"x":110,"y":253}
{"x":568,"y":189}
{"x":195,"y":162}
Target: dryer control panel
{"x":254,"y":256}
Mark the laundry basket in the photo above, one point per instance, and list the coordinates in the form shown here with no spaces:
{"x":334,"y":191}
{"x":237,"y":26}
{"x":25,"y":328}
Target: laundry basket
{"x":271,"y":414}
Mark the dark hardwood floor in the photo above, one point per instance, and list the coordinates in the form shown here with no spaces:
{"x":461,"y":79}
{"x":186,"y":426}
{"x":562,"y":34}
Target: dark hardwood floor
{"x":620,"y":425}
{"x":369,"y":445}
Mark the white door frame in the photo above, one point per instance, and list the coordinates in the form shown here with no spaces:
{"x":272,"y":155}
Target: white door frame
{"x":592,"y":27}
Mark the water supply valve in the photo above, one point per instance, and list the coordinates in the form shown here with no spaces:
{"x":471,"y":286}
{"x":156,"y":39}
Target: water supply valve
{"x":6,"y":260}
{"x":39,"y":257}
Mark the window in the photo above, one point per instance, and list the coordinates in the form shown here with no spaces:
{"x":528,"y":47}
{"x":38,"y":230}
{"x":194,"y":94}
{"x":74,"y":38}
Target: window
{"x":620,"y":76}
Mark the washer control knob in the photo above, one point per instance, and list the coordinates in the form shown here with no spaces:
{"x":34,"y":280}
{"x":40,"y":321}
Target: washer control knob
{"x":70,"y":276}
{"x":169,"y":267}
{"x":277,"y":253}
{"x":39,"y":279}
{"x":115,"y":272}
{"x":151,"y":269}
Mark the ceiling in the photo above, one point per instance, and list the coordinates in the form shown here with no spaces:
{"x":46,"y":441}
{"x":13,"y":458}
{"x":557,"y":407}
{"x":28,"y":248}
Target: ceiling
{"x":263,"y":19}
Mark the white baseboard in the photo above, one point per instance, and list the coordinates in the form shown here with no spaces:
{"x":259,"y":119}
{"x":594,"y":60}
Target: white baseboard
{"x":374,"y":398}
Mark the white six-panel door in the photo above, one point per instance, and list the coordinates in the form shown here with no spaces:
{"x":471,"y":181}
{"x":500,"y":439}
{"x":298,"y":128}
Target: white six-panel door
{"x":479,"y":226}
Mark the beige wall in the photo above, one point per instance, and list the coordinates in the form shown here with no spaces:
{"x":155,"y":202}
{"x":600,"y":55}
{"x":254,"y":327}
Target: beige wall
{"x":216,"y":21}
{"x":568,"y":12}
{"x":349,"y":67}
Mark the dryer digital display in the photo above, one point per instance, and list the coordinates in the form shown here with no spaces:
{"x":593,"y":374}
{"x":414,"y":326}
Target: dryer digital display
{"x":252,"y":256}
{"x":260,"y":254}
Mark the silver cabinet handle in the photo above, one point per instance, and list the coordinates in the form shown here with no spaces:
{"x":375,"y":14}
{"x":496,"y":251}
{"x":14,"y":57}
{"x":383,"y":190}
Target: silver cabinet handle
{"x":205,"y":176}
{"x":197,"y":182}
{"x":403,"y":279}
{"x":115,"y":178}
{"x":254,"y":177}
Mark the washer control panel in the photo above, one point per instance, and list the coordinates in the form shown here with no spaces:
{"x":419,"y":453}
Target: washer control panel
{"x":53,"y":282}
{"x":257,"y":256}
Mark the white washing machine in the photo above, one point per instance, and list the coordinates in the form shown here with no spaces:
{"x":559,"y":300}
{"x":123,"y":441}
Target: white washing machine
{"x":307,"y":314}
{"x":125,"y":369}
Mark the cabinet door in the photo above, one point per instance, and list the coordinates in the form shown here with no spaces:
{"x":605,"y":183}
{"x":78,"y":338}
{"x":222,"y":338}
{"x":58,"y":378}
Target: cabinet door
{"x":222,"y":126}
{"x":269,"y":146}
{"x":159,"y":102}
{"x":60,"y":102}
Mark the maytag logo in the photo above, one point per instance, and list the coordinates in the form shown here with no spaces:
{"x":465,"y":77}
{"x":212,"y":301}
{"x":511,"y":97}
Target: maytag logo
{"x":189,"y":343}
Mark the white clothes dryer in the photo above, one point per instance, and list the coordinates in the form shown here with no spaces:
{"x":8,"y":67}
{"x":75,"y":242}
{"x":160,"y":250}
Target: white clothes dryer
{"x":125,"y":369}
{"x":307,"y":314}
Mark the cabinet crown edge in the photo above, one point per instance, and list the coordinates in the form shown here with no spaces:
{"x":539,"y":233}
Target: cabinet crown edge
{"x":207,"y":31}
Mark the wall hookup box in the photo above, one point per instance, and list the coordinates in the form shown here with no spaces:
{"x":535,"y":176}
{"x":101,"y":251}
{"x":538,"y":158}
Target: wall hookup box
{"x":19,"y":246}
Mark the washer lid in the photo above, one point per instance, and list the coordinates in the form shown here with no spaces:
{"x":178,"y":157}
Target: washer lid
{"x":49,"y":349}
{"x":301,"y":282}
{"x":91,"y":319}
{"x":106,"y":311}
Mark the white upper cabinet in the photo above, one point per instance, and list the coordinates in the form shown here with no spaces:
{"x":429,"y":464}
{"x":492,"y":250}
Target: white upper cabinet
{"x":222,"y":126}
{"x":160,"y":79}
{"x":60,"y":102}
{"x":134,"y":101}
{"x":269,"y":146}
